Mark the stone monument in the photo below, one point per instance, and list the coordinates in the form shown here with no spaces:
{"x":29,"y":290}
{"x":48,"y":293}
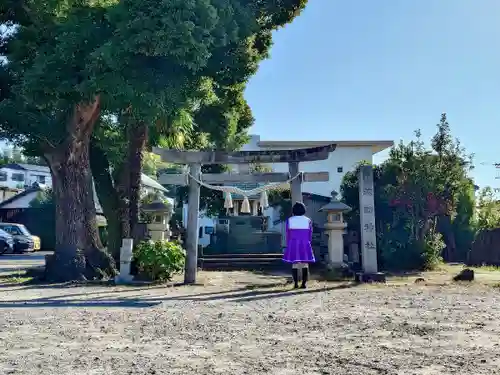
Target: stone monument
{"x":368,"y":228}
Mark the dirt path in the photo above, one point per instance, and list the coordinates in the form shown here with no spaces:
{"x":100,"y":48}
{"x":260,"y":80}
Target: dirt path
{"x":239,"y":323}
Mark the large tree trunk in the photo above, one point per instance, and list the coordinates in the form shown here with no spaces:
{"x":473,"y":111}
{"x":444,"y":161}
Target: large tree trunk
{"x":120,"y":196}
{"x":78,"y":254}
{"x":137,"y":139}
{"x":108,"y":197}
{"x":122,"y":186}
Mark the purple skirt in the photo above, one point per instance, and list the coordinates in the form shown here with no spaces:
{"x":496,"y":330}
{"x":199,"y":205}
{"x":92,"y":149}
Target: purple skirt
{"x":298,"y":251}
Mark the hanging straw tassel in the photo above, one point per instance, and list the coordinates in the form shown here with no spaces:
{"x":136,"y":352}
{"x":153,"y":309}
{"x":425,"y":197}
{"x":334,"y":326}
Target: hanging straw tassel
{"x":228,"y":200}
{"x":245,"y":206}
{"x":264,"y":202}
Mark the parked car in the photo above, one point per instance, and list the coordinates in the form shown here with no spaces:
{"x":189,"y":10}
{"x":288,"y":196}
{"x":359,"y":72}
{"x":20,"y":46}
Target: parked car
{"x":6,"y":242}
{"x":23,"y":239}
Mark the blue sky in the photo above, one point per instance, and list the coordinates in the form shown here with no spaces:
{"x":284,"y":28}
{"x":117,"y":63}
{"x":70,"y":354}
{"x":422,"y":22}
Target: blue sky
{"x":379,"y":69}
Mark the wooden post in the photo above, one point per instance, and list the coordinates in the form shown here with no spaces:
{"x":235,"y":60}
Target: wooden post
{"x":295,"y":185}
{"x":192,"y":225}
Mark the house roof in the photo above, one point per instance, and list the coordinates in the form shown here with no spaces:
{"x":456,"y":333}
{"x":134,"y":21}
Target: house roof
{"x":316,"y":197}
{"x":376,"y":146}
{"x":36,"y":189}
{"x":149,"y":182}
{"x":27,"y":167}
{"x":313,"y":197}
{"x":145,"y":180}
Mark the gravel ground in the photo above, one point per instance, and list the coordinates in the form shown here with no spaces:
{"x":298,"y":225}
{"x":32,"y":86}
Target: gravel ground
{"x":241,"y":323}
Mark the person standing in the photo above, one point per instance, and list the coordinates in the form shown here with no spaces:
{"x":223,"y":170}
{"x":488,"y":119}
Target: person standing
{"x":298,"y":249}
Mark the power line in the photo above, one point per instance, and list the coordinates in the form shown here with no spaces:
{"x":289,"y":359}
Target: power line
{"x":494,"y":165}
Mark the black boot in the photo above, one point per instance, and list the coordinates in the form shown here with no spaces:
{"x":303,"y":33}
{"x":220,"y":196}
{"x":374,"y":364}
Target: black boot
{"x":295,"y":276}
{"x":305,"y":276}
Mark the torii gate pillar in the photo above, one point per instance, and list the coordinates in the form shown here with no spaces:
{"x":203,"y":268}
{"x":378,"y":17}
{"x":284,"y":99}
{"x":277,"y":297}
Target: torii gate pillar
{"x":192,"y":225}
{"x":296,"y":184}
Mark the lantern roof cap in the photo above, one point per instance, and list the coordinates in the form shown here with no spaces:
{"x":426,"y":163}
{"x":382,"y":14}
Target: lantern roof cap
{"x":157,"y":206}
{"x":335,"y":204}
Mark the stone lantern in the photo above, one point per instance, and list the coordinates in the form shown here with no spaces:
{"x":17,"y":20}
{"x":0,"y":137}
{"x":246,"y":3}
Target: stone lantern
{"x":158,"y":227}
{"x":335,"y":228}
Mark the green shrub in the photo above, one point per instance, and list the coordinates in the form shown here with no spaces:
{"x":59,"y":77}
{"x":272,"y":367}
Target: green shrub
{"x":431,"y":254}
{"x":412,"y":255}
{"x":401,"y":257}
{"x":160,"y":260}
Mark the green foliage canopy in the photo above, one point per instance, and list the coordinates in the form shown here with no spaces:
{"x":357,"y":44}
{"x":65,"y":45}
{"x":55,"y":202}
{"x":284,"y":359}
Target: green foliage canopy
{"x":148,"y":58}
{"x":488,"y":210}
{"x":419,"y":192}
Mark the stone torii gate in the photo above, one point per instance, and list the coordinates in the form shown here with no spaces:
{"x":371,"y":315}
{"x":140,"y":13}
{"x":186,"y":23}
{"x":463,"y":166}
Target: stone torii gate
{"x":195,"y":159}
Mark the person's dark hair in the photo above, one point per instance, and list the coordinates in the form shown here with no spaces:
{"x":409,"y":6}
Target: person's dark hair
{"x":299,"y":209}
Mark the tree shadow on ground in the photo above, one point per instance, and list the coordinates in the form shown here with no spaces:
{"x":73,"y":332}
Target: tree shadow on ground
{"x":255,"y":295}
{"x":103,"y":293}
{"x":34,"y":283}
{"x":272,"y":285}
{"x":118,"y":303}
{"x":232,"y":296}
{"x":32,"y":278}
